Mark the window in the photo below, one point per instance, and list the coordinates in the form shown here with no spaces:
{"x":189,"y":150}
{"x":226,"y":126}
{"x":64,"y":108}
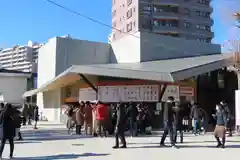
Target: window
{"x":207,"y":2}
{"x":114,"y":13}
{"x":114,"y":24}
{"x":203,"y":27}
{"x":167,"y":8}
{"x":165,"y":23}
{"x":129,"y":2}
{"x":205,"y":40}
{"x":113,"y":2}
{"x":203,"y":14}
{"x":186,"y":11}
{"x":200,"y":39}
{"x":129,"y":13}
{"x":187,"y":24}
{"x":208,"y":40}
{"x":155,"y":23}
{"x":146,"y":24}
{"x":129,"y":27}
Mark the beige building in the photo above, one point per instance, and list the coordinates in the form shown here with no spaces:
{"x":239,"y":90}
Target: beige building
{"x":21,"y":58}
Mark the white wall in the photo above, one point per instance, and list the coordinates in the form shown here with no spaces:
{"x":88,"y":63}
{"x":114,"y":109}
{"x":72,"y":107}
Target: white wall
{"x":127,"y":49}
{"x":51,"y":102}
{"x":47,"y":62}
{"x":12,"y":87}
{"x":46,"y":67}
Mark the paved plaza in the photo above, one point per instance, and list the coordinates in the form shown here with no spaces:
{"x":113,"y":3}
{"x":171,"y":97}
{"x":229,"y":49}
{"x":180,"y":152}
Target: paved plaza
{"x":51,"y":142}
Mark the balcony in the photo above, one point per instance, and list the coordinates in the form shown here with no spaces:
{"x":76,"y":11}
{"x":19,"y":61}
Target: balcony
{"x":197,"y":19}
{"x":166,"y":15}
{"x":166,"y":29}
{"x":181,"y":30}
{"x":189,"y":4}
{"x":166,"y":2}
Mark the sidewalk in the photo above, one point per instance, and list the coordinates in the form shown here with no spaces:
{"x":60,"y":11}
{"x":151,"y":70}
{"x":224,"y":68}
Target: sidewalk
{"x":45,"y":125}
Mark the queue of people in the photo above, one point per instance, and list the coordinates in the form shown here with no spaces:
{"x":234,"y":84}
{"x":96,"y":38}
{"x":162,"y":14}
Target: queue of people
{"x":100,"y":119}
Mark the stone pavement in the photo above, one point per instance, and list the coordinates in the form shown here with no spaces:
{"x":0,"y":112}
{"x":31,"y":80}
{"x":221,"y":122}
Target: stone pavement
{"x":51,"y":142}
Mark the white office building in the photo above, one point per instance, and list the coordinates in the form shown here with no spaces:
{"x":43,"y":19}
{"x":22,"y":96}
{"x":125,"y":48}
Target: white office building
{"x":20,"y":58}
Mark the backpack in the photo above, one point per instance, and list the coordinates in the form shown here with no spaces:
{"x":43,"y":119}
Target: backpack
{"x":70,"y":112}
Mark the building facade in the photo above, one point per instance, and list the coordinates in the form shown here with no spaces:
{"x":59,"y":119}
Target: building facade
{"x":13,"y":85}
{"x":189,"y":19}
{"x":58,"y":54}
{"x":21,"y":58}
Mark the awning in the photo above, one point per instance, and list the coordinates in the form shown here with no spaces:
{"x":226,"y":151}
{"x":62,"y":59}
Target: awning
{"x":64,"y":79}
{"x":163,"y":70}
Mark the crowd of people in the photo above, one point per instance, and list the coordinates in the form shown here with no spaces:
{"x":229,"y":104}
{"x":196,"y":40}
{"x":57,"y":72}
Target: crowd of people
{"x":100,"y":119}
{"x":11,"y":119}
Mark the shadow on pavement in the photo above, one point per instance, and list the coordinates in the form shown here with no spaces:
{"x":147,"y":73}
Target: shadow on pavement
{"x":25,"y":142}
{"x":199,"y":146}
{"x":77,"y":144}
{"x":183,"y":146}
{"x":62,"y":156}
{"x":49,"y":135}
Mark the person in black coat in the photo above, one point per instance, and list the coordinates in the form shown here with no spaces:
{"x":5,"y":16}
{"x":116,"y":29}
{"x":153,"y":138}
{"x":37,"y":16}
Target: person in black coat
{"x":168,"y":118}
{"x":17,"y":119}
{"x":195,"y":115}
{"x":178,"y":119}
{"x":132,"y":114}
{"x":228,"y":114}
{"x":221,"y":125}
{"x":36,"y":116}
{"x":8,"y":129}
{"x":120,"y":127}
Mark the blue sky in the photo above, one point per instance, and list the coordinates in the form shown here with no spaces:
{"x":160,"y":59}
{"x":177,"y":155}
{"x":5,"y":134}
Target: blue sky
{"x":37,"y":20}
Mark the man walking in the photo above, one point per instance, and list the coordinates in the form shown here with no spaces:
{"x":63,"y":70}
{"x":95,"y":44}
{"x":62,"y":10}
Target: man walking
{"x":132,"y":113}
{"x":8,"y":129}
{"x":195,"y":115}
{"x":228,"y":114}
{"x":178,"y":122}
{"x":36,"y":116}
{"x":168,"y":122}
{"x":120,"y":127}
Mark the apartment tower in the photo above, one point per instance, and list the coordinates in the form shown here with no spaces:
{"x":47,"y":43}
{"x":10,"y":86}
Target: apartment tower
{"x":189,"y":19}
{"x":21,"y":58}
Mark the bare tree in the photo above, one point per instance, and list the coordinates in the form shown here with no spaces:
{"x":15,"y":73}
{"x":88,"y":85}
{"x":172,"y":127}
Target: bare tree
{"x":237,"y":18}
{"x":232,"y":47}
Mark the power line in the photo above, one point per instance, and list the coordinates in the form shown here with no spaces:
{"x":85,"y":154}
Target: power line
{"x":101,"y":23}
{"x":109,"y":26}
{"x":87,"y":17}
